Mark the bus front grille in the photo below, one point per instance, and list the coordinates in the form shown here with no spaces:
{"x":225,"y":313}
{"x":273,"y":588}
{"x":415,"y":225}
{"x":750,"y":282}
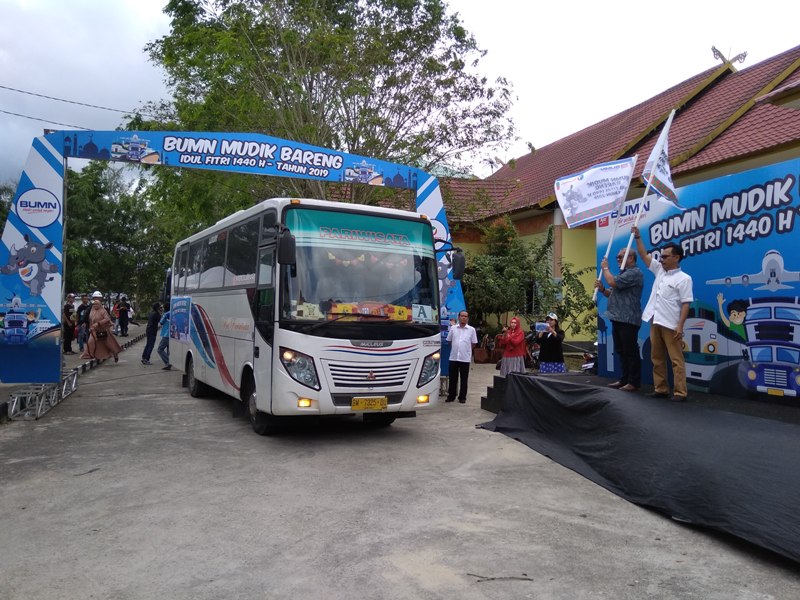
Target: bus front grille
{"x":776,"y":377}
{"x":366,"y":375}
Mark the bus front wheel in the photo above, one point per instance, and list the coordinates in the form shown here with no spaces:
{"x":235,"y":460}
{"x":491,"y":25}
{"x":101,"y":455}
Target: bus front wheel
{"x":263,"y":424}
{"x":197,"y":389}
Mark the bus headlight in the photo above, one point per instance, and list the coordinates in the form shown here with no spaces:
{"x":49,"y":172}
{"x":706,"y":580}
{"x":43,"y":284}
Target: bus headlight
{"x":430,"y":369}
{"x":301,"y":367}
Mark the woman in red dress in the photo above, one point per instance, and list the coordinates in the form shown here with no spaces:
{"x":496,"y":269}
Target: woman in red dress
{"x":512,"y":341}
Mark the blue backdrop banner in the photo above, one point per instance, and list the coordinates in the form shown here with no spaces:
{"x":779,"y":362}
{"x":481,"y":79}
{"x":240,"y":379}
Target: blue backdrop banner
{"x":739,"y":235}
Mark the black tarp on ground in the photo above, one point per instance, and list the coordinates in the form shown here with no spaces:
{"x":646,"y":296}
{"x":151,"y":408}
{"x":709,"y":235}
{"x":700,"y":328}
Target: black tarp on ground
{"x":731,"y":472}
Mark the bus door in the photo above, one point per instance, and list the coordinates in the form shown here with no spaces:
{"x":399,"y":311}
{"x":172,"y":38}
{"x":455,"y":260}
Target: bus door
{"x":264,"y":320}
{"x":179,"y":339}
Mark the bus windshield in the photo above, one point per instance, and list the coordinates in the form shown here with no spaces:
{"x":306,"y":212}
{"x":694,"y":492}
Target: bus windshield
{"x":356,"y":267}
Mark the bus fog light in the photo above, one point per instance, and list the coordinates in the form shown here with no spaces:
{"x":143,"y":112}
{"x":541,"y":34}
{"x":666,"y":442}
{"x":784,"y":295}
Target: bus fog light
{"x":751,"y":375}
{"x":430,"y":369}
{"x":300,"y":367}
{"x":423,"y":399}
{"x":304,"y":403}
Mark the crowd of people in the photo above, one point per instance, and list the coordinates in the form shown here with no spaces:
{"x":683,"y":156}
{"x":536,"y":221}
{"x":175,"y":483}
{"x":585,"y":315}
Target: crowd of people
{"x":513,"y":343}
{"x":96,"y":321}
{"x":666,"y":311}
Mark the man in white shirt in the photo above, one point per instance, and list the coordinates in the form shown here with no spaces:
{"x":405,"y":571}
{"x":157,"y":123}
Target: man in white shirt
{"x":666,"y":311}
{"x":463,"y":339}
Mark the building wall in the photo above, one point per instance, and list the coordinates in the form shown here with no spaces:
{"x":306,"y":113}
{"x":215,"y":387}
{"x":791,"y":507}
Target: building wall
{"x":576,"y":246}
{"x":578,"y":249}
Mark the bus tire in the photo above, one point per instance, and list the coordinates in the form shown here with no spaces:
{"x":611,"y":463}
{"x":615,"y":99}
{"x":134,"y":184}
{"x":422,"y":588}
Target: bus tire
{"x":197,"y":389}
{"x":262,"y":423}
{"x":378,"y":420}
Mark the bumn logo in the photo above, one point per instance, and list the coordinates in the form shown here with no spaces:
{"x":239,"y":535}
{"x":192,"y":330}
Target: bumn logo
{"x":38,"y":208}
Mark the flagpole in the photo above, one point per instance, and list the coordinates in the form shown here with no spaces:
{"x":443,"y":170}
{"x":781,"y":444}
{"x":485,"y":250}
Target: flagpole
{"x":613,"y":233}
{"x":638,"y":215}
{"x":646,"y":191}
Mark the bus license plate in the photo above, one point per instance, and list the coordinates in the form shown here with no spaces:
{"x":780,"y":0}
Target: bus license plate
{"x":774,"y":392}
{"x":371,"y":403}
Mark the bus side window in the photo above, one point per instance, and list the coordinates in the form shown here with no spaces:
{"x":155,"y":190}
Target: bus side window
{"x":194,"y":266}
{"x":264,"y":314}
{"x":179,"y":272}
{"x":242,"y":254}
{"x":268,"y":231}
{"x":214,"y":261}
{"x":266,"y":261}
{"x":266,"y":305}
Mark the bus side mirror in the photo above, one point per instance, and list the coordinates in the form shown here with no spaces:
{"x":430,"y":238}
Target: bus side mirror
{"x":287,"y":251}
{"x":459,"y":264}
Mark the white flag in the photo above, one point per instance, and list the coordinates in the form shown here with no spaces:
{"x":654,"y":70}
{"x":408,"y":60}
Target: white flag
{"x":594,"y":193}
{"x":656,"y":170}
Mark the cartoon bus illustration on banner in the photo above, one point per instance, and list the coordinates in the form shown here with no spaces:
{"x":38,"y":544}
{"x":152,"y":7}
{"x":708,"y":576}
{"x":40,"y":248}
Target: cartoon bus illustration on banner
{"x":738,"y":233}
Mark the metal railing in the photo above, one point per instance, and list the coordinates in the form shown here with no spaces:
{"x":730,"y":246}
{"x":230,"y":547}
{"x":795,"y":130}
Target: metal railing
{"x":31,"y":402}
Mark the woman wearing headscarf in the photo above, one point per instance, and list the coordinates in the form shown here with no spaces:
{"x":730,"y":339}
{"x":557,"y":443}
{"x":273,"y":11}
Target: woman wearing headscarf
{"x":101,"y":343}
{"x":512,"y":341}
{"x":551,"y":353}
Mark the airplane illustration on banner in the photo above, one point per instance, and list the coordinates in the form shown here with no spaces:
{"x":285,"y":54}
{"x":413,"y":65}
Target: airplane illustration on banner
{"x":773,"y":276}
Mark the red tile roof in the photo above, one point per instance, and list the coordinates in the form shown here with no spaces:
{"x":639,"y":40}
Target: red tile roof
{"x":763,"y":128}
{"x":703,"y":122}
{"x":790,"y":88}
{"x":605,"y":141}
{"x":467,"y":200}
{"x":717,"y":121}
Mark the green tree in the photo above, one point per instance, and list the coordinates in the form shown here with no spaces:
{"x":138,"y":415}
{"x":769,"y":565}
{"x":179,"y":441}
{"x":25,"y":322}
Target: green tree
{"x":394,"y":79}
{"x":7,"y":191}
{"x":114,"y":240}
{"x":512,"y":276}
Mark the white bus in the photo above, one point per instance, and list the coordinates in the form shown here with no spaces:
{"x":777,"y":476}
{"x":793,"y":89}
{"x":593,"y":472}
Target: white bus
{"x":308,"y":308}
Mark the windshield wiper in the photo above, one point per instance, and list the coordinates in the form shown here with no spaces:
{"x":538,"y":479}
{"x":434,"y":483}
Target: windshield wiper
{"x":326,"y":322}
{"x":338,"y":316}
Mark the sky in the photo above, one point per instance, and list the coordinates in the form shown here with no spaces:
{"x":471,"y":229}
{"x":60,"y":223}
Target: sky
{"x":572,"y":63}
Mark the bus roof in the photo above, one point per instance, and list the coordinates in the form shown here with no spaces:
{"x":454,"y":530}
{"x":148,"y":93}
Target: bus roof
{"x":280,"y":203}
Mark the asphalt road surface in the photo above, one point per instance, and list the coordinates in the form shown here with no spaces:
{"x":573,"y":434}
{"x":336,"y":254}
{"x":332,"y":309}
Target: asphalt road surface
{"x":132,"y":489}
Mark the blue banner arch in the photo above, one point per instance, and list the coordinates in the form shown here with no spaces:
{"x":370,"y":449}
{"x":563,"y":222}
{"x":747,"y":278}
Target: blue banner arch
{"x":31,"y":253}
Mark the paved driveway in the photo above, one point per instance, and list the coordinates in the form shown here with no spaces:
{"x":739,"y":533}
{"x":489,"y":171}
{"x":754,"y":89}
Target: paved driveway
{"x":132,"y":489}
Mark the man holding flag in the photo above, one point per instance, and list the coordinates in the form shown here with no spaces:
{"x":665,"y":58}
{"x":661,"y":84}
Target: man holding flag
{"x":624,"y":293}
{"x":666,"y":311}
